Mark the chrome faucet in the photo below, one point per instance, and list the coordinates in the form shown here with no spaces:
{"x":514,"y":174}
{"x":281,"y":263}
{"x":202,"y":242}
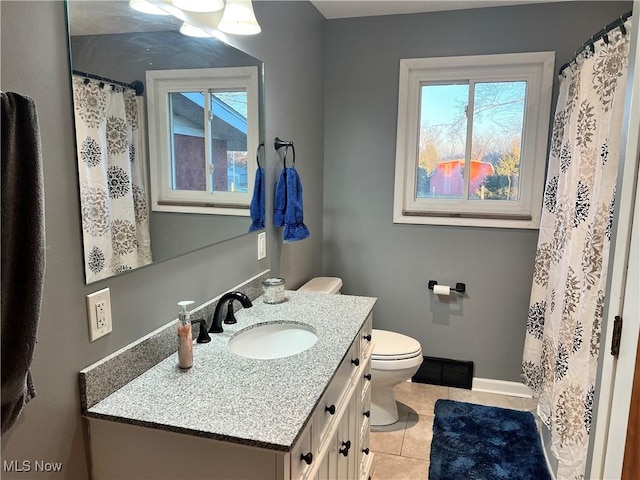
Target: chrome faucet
{"x":216,"y":324}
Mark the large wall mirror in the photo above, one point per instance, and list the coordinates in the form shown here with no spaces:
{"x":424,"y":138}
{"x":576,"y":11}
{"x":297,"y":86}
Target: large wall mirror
{"x":112,"y":48}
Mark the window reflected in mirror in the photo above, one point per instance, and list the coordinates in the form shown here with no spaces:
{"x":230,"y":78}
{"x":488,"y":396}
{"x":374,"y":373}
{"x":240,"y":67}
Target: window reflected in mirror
{"x":226,"y":133}
{"x":201,"y":138}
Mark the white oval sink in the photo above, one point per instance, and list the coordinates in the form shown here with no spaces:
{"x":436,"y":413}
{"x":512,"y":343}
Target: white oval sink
{"x":272,"y":340}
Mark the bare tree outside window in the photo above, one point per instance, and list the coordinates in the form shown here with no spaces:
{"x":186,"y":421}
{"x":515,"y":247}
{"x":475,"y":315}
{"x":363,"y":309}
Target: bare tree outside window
{"x":496,"y":130}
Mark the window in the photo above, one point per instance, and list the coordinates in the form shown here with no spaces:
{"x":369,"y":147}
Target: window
{"x":203,"y":130}
{"x":472,"y":139}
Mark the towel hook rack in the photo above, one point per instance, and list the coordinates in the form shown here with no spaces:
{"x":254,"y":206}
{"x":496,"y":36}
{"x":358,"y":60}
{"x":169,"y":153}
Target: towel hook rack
{"x":278,"y":144}
{"x":260,"y":145}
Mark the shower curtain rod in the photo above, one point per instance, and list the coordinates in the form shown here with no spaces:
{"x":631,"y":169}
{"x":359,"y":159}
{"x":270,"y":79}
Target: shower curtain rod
{"x":619,"y":22}
{"x":136,"y":85}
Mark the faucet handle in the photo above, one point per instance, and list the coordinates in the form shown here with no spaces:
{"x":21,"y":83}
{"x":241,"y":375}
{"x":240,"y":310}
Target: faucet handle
{"x":230,"y":318}
{"x":203,"y":335}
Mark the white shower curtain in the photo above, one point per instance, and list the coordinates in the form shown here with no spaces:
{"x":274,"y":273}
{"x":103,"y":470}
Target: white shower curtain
{"x":569,"y":284}
{"x":115,"y":216}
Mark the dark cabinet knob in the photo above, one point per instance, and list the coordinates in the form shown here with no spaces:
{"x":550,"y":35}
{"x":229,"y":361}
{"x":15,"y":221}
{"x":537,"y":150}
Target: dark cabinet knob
{"x":368,"y":376}
{"x":308,"y":458}
{"x":367,"y":337}
{"x":365,"y":451}
{"x":367,"y":413}
{"x":331,"y":409}
{"x":345,"y":448}
{"x":356,"y":361}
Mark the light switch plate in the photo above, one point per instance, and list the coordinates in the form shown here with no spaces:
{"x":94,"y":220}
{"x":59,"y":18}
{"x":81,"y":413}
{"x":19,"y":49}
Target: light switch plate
{"x":99,"y":314}
{"x":262,"y":245}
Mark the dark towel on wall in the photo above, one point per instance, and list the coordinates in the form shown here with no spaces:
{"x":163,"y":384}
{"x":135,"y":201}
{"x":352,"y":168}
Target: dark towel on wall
{"x":257,"y":202}
{"x":23,"y":250}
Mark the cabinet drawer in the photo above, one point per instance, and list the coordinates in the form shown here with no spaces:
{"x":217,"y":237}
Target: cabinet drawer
{"x":365,"y":336}
{"x":366,"y":456}
{"x":364,"y":450}
{"x":341,"y":379}
{"x":365,"y":412}
{"x":325,"y":414}
{"x":334,"y":396}
{"x":302,"y":455}
{"x":365,"y":381}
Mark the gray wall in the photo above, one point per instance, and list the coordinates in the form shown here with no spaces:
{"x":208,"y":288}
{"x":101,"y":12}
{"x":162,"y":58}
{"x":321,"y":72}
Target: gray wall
{"x":34,"y":62}
{"x":292,"y":49}
{"x":394,"y":262}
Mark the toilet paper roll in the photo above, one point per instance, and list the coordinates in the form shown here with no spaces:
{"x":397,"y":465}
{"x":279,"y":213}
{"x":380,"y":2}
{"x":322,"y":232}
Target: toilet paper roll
{"x":442,"y":289}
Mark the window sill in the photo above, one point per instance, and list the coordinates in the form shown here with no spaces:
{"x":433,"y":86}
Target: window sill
{"x":201,"y":208}
{"x":471,"y":220}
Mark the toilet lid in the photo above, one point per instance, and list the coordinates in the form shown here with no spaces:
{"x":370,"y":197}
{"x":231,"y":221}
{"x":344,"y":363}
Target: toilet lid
{"x":393,"y":346}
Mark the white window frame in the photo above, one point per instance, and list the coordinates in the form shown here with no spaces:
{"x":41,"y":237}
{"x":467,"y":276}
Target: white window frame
{"x":537,"y":69}
{"x":160,"y":83}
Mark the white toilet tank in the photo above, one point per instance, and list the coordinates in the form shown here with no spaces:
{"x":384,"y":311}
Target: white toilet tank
{"x":322,"y":285}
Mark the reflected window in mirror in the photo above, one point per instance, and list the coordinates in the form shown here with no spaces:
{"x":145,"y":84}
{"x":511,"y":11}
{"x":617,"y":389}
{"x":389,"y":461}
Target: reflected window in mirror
{"x":202,"y":125}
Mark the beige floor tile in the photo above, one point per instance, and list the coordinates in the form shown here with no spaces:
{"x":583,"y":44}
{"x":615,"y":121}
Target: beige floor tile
{"x":419,"y":396}
{"x":388,"y":438}
{"x":417,"y":436}
{"x":403,"y":449}
{"x":484,"y":398}
{"x":392,"y":467}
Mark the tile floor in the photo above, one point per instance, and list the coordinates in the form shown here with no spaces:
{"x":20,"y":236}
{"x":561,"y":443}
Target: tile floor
{"x":402,"y":449}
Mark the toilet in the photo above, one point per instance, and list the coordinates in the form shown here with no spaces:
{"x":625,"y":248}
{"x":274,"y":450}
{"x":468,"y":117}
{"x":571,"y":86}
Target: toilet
{"x":395,"y":359}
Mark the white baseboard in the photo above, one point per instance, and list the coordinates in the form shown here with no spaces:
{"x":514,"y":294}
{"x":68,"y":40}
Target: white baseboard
{"x":515,"y":389}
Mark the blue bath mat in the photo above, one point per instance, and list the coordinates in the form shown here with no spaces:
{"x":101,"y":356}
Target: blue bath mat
{"x":475,"y":442}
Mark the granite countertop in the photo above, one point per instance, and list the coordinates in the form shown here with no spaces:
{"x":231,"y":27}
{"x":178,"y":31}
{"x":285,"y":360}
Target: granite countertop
{"x":264,"y":403}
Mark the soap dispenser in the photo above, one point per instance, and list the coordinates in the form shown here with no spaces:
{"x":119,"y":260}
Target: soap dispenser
{"x":185,"y":338}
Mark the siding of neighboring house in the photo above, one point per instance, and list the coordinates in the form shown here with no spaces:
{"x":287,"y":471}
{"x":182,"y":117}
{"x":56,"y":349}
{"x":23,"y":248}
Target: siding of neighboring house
{"x":190,"y":168}
{"x":447,"y":178}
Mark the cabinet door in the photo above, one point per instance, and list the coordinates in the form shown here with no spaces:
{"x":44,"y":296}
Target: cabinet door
{"x":302,"y":455}
{"x":329,"y":467}
{"x":365,"y":335}
{"x":348,"y":440}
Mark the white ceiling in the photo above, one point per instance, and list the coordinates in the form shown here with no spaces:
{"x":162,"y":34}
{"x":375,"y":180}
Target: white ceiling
{"x":95,"y":17}
{"x":366,"y":8}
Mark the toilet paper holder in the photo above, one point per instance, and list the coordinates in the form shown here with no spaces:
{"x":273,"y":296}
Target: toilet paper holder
{"x":460,"y":287}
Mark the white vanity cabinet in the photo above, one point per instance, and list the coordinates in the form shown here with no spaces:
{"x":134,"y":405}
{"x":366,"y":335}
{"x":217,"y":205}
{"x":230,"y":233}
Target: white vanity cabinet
{"x":343,"y":440}
{"x":333,"y":444}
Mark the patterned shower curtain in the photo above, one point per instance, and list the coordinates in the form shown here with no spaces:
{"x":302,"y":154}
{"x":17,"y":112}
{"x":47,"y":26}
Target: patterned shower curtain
{"x":569,"y":283}
{"x":115,"y":216}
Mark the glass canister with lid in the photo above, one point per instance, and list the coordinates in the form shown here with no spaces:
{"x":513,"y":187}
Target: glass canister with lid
{"x":273,"y":290}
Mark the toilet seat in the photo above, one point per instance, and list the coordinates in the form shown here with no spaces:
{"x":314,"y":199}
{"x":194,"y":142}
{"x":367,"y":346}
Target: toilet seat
{"x":392,"y":346}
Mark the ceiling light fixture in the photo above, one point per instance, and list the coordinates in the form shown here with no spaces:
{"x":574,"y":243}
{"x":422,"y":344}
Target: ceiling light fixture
{"x":199,"y":5}
{"x":146,"y":7}
{"x":238,"y":18}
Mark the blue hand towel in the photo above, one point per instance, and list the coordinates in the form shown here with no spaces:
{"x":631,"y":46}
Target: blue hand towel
{"x":288,"y":206}
{"x":280,"y":203}
{"x":257,"y":202}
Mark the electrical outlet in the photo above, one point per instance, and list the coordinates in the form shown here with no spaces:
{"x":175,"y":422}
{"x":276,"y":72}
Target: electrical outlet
{"x":262,"y":245}
{"x":99,"y":314}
